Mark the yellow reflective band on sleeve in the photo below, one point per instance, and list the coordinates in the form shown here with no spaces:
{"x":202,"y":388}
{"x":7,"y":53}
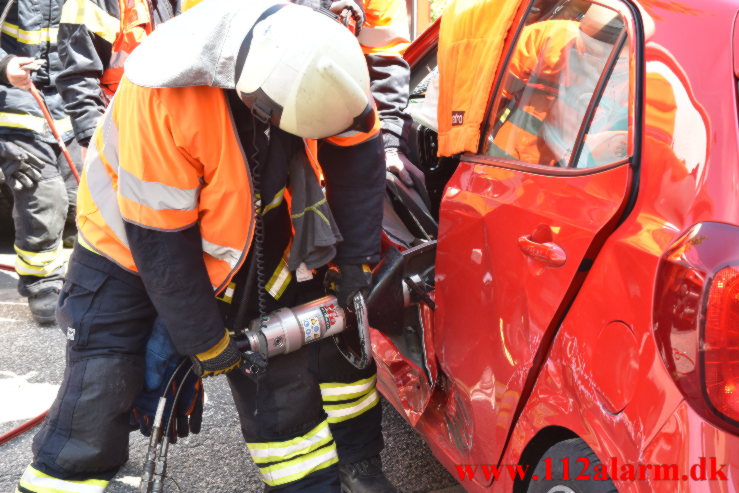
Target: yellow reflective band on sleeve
{"x":345,"y":391}
{"x":279,"y":281}
{"x":338,"y":413}
{"x":228,"y":293}
{"x":35,"y":481}
{"x":281,"y":277}
{"x":215,"y":350}
{"x":300,"y":467}
{"x":33,"y":123}
{"x":37,"y":37}
{"x":276,"y":201}
{"x":97,"y":20}
{"x":38,"y":264}
{"x":268,"y":452}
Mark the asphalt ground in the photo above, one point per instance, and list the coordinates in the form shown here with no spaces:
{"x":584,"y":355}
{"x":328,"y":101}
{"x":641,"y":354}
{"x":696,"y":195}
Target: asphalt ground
{"x":216,"y":460}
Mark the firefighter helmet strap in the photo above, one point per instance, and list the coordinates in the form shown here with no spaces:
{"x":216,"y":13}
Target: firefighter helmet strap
{"x":262,"y":106}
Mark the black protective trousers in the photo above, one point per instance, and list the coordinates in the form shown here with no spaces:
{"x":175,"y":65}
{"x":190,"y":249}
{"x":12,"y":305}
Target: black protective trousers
{"x":39,"y":215}
{"x":107,"y":317}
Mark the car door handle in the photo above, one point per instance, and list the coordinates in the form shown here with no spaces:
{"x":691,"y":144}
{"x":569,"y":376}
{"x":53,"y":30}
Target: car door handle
{"x":548,"y":252}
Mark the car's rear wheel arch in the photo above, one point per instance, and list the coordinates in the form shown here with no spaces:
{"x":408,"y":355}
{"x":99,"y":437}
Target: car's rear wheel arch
{"x":535,"y":449}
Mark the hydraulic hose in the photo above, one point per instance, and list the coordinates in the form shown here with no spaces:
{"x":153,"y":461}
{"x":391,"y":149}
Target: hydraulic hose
{"x":40,"y":101}
{"x":19,"y":430}
{"x":22,"y":428}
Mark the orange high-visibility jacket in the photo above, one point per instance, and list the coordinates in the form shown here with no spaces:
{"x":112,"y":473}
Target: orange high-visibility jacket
{"x":385,"y":29}
{"x":471,"y":39}
{"x":136,"y":24}
{"x":548,"y":87}
{"x":148,"y":165}
{"x":541,"y":49}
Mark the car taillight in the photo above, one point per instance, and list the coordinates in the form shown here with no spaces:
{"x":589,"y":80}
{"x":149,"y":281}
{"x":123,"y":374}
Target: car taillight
{"x":696,"y":320}
{"x":721,"y":342}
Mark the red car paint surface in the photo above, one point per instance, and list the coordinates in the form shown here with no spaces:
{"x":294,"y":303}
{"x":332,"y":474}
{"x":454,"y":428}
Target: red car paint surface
{"x":527,"y":344}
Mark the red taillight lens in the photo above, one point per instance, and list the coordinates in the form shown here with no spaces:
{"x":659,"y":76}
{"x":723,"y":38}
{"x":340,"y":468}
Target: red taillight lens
{"x":696,"y":320}
{"x":721,"y":342}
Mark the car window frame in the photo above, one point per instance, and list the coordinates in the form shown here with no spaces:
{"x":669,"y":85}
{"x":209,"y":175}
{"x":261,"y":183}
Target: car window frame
{"x":633,"y":34}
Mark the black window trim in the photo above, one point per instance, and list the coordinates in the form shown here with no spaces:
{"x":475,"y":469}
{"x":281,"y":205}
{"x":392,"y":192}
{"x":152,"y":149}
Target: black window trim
{"x":598,"y":91}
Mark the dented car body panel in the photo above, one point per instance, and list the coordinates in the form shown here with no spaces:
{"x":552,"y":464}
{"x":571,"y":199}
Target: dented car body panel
{"x":544,"y":326}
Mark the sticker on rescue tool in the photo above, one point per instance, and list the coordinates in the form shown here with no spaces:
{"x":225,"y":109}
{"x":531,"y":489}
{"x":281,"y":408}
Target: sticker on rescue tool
{"x":312,"y":325}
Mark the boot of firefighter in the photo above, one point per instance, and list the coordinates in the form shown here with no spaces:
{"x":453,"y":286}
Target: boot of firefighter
{"x":365,"y":476}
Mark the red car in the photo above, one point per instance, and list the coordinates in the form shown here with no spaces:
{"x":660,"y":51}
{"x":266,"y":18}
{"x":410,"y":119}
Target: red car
{"x":576,"y":327}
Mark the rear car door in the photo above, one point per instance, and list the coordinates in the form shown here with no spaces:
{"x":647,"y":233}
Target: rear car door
{"x":522,"y":220}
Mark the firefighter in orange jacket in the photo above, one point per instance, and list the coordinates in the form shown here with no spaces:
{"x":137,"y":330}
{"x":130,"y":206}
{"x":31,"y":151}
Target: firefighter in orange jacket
{"x":182,"y":174}
{"x":553,"y":72}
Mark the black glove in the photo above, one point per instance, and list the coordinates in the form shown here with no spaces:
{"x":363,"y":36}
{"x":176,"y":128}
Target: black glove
{"x":188,"y":413}
{"x":347,"y":280}
{"x":18,"y":167}
{"x":161,"y":362}
{"x":221,"y":358}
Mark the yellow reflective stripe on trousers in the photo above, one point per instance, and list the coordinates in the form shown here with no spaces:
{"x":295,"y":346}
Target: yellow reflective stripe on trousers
{"x":34,"y":123}
{"x":97,"y":20}
{"x":39,"y":264}
{"x":300,"y":467}
{"x":266,"y":452}
{"x":292,"y":460}
{"x":35,"y":481}
{"x":378,"y":37}
{"x":36,"y":37}
{"x":344,"y":391}
{"x":344,"y":412}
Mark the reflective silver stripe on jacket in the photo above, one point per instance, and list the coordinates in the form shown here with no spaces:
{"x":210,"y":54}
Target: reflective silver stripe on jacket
{"x":98,"y":180}
{"x":229,"y":255}
{"x":377,"y":37}
{"x":155,"y":195}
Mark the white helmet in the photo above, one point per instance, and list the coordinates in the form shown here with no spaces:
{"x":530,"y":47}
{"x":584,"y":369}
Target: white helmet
{"x":305,"y":73}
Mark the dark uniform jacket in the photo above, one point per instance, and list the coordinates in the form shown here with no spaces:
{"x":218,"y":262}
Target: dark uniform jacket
{"x":30,"y":30}
{"x":85,"y":46}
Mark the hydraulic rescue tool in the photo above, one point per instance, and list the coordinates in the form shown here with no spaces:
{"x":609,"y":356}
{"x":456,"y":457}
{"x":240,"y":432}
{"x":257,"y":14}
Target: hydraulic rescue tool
{"x":282,"y":331}
{"x":400,"y":280}
{"x":288,"y":329}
